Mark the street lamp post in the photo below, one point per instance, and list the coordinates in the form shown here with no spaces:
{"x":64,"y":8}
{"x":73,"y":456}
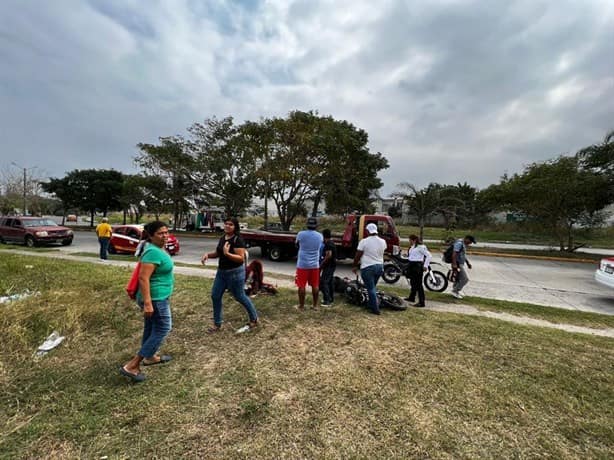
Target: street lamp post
{"x":25,"y":209}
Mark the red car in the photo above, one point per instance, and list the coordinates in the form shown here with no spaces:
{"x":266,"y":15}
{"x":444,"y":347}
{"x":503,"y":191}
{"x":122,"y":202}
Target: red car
{"x":33,"y":231}
{"x":125,"y":239}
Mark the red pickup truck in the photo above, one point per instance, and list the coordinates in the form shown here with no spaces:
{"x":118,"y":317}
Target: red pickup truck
{"x":281,"y":245}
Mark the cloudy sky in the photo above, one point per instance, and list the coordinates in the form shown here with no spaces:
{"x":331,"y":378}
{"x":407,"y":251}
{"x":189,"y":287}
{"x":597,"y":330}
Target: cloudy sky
{"x":448,"y":90}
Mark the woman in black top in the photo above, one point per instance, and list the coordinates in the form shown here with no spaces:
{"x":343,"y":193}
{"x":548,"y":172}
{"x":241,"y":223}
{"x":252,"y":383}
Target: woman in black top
{"x":230,"y":275}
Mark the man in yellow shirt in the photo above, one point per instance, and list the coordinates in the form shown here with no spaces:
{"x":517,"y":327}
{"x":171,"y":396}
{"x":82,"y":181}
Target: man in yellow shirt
{"x":103,"y":230}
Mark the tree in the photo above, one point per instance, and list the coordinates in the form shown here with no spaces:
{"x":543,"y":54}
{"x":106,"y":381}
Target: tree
{"x":224,"y":163}
{"x":309,"y":157}
{"x":88,"y":189}
{"x":290,"y":165}
{"x":170,"y":162}
{"x":61,"y":189}
{"x":556,"y":194}
{"x":599,"y":157}
{"x":423,"y":203}
{"x":348,"y":170}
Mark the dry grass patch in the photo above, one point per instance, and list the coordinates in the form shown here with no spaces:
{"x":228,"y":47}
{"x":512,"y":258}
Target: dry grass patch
{"x":336,"y":383}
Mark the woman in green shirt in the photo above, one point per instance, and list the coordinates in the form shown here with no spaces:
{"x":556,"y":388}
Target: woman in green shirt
{"x":156,"y":282}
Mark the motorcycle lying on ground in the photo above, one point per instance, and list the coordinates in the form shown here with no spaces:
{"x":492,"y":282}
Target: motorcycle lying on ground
{"x":395,"y":266}
{"x":356,"y":293}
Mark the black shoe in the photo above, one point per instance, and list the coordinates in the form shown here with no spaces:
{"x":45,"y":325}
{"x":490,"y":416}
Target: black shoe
{"x":375,"y":312}
{"x":419,"y":305}
{"x":410,"y":299}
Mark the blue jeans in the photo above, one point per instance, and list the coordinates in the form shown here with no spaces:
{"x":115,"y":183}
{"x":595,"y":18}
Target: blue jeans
{"x":326,"y":284}
{"x":156,"y":327}
{"x":370,"y":276}
{"x":233,"y":280}
{"x":104,"y":247}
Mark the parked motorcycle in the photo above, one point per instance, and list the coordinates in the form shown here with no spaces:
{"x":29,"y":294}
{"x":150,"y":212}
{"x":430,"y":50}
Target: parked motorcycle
{"x":397,"y":266}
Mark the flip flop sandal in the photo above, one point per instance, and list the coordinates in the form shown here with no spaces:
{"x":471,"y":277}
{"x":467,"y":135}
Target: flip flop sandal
{"x":163,"y":360}
{"x":134,"y":377}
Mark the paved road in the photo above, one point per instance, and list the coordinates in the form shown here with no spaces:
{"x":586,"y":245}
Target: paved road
{"x":561,"y":284}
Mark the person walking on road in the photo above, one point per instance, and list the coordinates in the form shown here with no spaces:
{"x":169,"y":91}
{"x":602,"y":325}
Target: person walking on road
{"x":103,"y":231}
{"x":156,"y":282}
{"x":308,"y":262}
{"x":459,"y":259}
{"x":419,"y":260}
{"x":370,"y":258}
{"x":328,"y":265}
{"x":230,"y":275}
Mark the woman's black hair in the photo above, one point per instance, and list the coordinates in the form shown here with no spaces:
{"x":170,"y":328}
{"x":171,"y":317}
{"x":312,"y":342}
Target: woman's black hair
{"x":416,"y":238}
{"x":153,"y":227}
{"x":235,"y":222}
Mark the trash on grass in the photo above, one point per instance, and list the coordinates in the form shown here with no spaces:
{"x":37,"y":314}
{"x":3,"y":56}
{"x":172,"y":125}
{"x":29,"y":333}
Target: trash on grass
{"x":14,"y":297}
{"x":50,"y":343}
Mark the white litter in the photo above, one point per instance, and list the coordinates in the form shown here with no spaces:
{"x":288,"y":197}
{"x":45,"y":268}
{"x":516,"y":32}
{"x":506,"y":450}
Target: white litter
{"x":243,"y":329}
{"x":14,"y":297}
{"x":50,"y":343}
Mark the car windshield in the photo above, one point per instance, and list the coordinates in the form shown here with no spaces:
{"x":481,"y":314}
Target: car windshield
{"x":39,"y":223}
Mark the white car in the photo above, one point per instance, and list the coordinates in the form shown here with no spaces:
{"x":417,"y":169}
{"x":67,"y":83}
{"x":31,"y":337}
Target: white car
{"x":605,"y":273}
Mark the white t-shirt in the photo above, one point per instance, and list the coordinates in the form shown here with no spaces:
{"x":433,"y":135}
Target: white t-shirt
{"x":372,"y":248}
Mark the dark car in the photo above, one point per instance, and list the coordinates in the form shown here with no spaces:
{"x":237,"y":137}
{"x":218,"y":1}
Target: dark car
{"x":125,"y":239}
{"x":33,"y":231}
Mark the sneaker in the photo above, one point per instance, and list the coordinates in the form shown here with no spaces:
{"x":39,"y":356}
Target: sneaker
{"x":456,"y":295}
{"x":325,"y":304}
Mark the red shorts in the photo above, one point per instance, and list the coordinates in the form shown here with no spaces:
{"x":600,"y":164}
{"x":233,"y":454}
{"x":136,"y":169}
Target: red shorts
{"x":307,"y":275}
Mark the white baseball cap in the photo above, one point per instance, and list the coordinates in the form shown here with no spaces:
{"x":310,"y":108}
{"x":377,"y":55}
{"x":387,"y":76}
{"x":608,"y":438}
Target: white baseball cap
{"x":371,"y":229}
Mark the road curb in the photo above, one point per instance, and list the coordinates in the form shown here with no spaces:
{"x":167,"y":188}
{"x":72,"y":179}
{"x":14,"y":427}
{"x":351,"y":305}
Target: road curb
{"x":528,"y":256}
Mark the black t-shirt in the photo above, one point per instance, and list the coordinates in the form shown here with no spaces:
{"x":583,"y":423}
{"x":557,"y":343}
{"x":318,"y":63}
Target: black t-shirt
{"x":235,"y":242}
{"x":330,"y":246}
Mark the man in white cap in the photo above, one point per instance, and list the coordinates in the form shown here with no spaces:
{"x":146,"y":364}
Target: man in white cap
{"x":370,"y":258}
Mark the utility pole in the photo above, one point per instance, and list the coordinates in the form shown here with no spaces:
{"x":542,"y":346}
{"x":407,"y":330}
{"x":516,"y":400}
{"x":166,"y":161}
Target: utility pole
{"x":25,"y":208}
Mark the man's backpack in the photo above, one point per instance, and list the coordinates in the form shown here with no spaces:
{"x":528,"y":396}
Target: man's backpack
{"x":447,"y":255}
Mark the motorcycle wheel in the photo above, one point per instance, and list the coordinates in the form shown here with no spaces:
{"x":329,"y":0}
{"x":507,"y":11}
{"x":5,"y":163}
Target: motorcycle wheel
{"x":439,"y":283}
{"x":391,"y":274}
{"x":391,"y":301}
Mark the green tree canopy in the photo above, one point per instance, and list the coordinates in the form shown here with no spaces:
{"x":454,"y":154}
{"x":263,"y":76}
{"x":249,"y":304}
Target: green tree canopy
{"x":88,"y":189}
{"x":555,"y":194}
{"x":224,"y":163}
{"x":170,"y":162}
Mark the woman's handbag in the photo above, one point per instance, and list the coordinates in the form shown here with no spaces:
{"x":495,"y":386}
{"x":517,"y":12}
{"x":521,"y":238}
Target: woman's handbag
{"x":133,"y":284}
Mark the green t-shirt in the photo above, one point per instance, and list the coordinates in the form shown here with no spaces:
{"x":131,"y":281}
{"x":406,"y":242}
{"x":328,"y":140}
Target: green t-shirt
{"x":162,"y":279}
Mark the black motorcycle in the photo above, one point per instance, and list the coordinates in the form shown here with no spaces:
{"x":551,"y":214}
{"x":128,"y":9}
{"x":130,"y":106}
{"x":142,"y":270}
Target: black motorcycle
{"x":395,"y":266}
{"x":356,"y":293}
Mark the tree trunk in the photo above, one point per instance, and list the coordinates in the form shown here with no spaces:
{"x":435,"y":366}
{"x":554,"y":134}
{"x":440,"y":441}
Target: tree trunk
{"x":316,"y":204}
{"x":421,"y":225}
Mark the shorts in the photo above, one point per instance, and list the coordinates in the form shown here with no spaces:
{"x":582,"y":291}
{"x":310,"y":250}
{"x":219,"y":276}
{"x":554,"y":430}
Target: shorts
{"x":307,"y":275}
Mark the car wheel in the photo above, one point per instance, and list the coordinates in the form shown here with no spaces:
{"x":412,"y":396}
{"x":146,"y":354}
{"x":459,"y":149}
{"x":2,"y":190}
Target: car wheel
{"x":30,"y":241}
{"x":275,"y":253}
{"x":2,"y":240}
{"x":67,"y":242}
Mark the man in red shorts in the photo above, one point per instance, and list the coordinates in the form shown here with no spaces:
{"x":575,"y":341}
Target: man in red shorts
{"x":308,"y":262}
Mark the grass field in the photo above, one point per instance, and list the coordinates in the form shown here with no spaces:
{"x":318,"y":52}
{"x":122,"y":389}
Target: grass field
{"x":330,"y":384}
